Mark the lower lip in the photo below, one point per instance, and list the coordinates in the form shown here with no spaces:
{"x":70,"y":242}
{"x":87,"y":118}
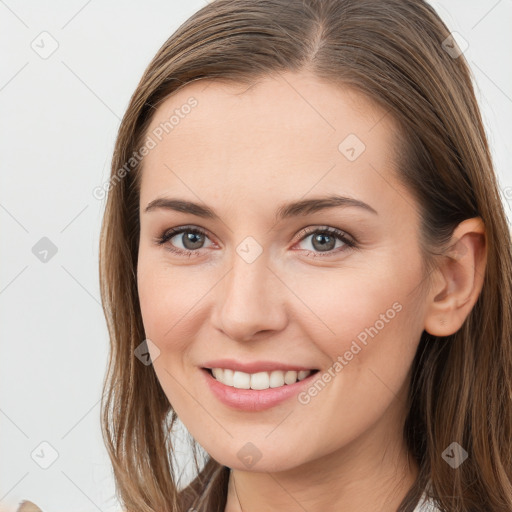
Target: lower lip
{"x":253,"y":399}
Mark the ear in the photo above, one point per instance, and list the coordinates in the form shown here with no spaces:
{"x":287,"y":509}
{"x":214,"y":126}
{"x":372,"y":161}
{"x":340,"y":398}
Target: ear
{"x":458,"y":279}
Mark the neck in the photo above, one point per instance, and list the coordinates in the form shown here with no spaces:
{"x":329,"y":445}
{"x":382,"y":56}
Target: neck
{"x":369,"y":476}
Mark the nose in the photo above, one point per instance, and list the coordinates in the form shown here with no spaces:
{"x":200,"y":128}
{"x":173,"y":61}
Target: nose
{"x":250,"y":302}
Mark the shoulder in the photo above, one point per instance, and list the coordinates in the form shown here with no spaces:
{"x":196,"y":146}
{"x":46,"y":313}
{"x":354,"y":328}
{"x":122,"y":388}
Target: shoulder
{"x":426,"y":505}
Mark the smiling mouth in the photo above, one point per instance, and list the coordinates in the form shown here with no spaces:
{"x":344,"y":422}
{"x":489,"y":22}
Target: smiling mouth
{"x":259,"y":380}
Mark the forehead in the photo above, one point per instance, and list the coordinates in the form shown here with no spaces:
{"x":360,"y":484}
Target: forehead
{"x":290,"y":131}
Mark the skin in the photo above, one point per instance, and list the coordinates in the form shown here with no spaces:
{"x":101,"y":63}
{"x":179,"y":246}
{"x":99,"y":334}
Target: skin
{"x":243,"y":152}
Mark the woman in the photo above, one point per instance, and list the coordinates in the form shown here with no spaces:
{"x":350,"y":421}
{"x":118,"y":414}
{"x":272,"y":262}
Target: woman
{"x":303,"y":235}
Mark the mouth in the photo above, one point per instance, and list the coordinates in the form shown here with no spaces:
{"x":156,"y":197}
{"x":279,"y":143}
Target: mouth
{"x":259,"y":380}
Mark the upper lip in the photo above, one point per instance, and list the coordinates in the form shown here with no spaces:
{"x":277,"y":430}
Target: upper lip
{"x":254,"y":366}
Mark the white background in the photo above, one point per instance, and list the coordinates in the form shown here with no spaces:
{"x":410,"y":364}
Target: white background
{"x":59,"y":119}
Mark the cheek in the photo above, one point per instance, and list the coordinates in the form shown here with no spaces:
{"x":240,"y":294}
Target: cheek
{"x":365,"y":315}
{"x":167,"y":298}
{"x":374,"y":325}
{"x":176,"y":306}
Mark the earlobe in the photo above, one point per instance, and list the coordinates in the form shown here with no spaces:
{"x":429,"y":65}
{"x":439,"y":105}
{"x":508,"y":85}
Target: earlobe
{"x":459,"y":279}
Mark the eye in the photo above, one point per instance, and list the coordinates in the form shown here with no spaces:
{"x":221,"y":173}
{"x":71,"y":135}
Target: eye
{"x":324,"y":240}
{"x":190,"y":238}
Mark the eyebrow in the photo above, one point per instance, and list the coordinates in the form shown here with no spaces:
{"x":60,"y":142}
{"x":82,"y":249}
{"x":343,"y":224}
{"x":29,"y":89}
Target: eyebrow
{"x":285,"y":211}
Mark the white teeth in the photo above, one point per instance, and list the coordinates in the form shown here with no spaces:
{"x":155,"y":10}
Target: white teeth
{"x":290,"y":377}
{"x":228,"y":377}
{"x":260,"y":380}
{"x":241,"y":380}
{"x":276,"y":379}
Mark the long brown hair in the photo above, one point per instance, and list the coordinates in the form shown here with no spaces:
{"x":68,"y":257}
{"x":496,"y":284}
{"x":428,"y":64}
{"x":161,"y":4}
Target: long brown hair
{"x":392,"y":51}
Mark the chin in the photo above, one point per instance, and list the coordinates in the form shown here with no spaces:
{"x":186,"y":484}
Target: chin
{"x":250,"y":458}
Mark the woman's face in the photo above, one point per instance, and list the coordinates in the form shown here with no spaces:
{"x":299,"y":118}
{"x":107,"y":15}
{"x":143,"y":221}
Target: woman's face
{"x":252,"y":293}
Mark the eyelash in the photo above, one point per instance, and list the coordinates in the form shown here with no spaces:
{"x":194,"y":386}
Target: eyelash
{"x":338,"y":234}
